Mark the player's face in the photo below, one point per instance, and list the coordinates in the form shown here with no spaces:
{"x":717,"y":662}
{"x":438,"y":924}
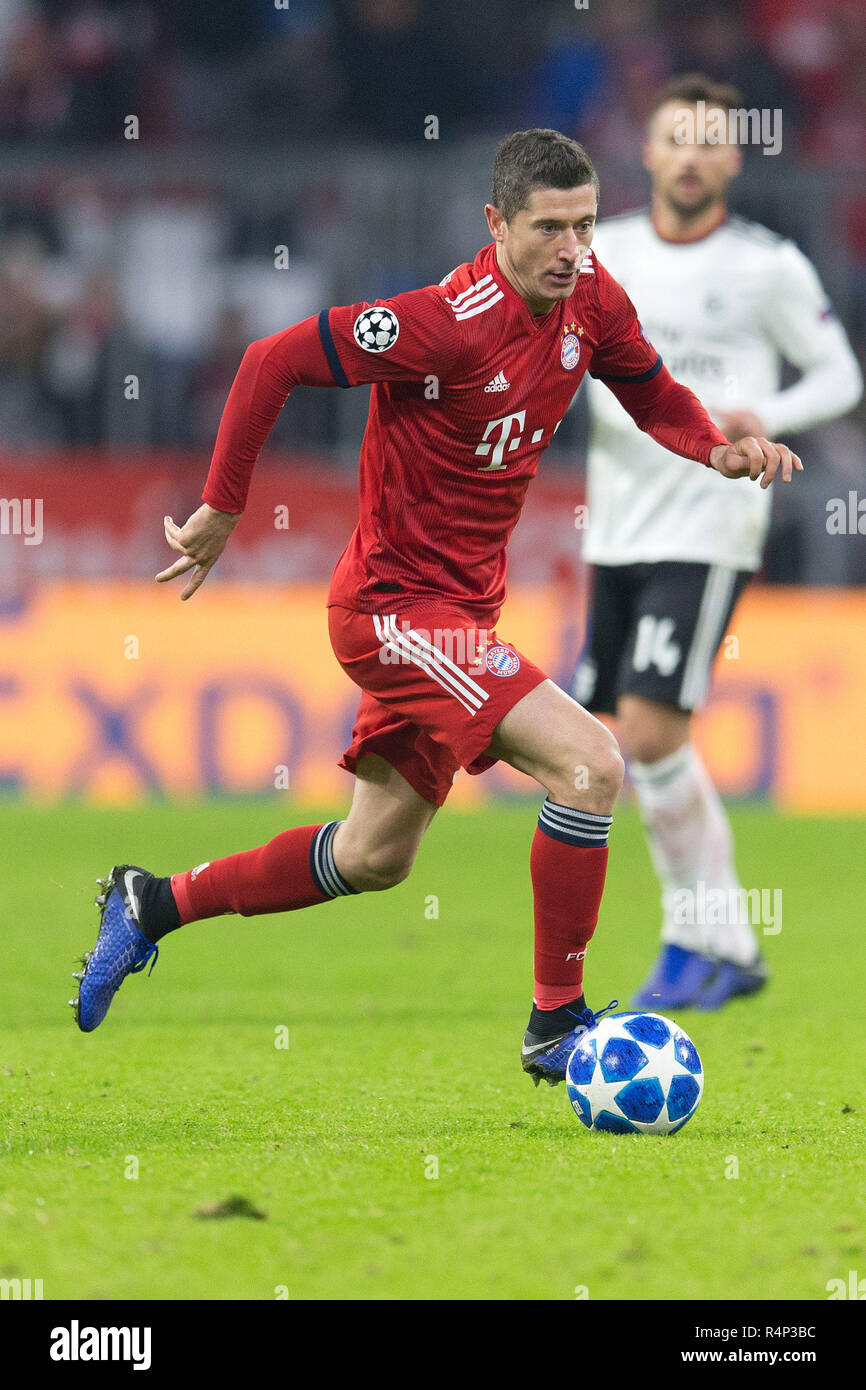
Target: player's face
{"x":689,"y":174}
{"x":541,"y":248}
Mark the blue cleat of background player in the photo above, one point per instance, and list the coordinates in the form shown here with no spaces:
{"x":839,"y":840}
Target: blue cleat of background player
{"x":121,"y":947}
{"x":688,"y":979}
{"x":545,"y":1059}
{"x":732,"y":981}
{"x":676,"y":979}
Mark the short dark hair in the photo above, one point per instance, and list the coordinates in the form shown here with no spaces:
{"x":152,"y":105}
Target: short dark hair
{"x":531,"y":159}
{"x":692,"y":87}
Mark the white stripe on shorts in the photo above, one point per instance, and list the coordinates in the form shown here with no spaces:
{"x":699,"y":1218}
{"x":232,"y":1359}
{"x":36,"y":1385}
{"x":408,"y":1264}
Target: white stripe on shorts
{"x":433,"y":662}
{"x":715,"y":601}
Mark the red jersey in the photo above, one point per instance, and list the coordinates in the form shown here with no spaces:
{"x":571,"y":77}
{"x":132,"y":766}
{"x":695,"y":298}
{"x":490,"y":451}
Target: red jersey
{"x":468,"y":390}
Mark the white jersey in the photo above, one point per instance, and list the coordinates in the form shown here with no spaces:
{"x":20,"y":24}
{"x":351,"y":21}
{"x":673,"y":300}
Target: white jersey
{"x":723,"y":312}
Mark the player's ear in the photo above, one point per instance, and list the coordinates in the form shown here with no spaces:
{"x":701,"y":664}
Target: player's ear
{"x":734,"y":160}
{"x":646,"y":149}
{"x":495,"y":221}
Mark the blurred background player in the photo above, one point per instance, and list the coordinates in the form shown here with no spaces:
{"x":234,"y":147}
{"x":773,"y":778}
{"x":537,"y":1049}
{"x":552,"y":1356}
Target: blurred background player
{"x":725,"y":300}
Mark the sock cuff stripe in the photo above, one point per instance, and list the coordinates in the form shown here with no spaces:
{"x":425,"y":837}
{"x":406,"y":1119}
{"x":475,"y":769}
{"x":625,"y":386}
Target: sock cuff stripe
{"x":567,"y":837}
{"x":571,"y":813}
{"x":591,"y":835}
{"x":326,"y":875}
{"x":595,"y":833}
{"x":579,"y":827}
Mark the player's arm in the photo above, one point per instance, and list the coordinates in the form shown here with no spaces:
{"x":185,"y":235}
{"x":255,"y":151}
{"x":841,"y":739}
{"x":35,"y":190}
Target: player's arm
{"x":630,"y":367}
{"x":401,"y":339}
{"x":674,"y":416}
{"x":269,"y":370}
{"x":798,"y":317}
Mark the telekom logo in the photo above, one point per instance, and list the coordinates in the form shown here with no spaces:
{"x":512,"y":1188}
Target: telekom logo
{"x":496,"y":446}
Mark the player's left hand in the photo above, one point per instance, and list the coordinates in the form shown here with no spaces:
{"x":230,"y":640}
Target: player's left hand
{"x":753,"y":456}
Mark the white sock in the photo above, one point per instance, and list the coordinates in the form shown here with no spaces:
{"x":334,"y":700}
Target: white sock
{"x":692,"y":848}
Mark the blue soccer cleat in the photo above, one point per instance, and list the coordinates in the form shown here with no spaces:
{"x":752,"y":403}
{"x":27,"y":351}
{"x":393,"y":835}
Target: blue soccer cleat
{"x":547,"y":1058}
{"x":676,"y":979}
{"x":121,"y":947}
{"x":732,"y":981}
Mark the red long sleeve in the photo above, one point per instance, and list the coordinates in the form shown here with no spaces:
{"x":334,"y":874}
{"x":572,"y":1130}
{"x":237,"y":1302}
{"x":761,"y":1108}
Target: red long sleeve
{"x":270,"y":368}
{"x":671,"y":413}
{"x":306,"y":354}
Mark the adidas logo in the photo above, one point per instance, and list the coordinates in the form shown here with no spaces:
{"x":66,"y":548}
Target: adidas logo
{"x":498,"y":383}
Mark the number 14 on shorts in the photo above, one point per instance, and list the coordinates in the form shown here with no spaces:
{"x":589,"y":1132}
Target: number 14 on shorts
{"x":653,"y":645}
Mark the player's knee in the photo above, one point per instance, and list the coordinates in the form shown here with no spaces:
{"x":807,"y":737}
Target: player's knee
{"x":607,"y":771}
{"x":651,"y":732}
{"x":590,"y":778}
{"x":646,"y":746}
{"x":390,"y":874}
{"x":650,"y":743}
{"x":382,"y":868}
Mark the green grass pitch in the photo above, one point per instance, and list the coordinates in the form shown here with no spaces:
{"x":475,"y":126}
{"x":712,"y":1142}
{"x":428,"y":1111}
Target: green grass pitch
{"x":394,"y":1147}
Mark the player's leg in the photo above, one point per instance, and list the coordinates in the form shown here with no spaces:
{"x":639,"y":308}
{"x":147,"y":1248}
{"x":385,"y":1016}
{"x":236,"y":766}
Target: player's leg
{"x":612,"y":591}
{"x":681,"y":616}
{"x":651,"y":731}
{"x":548,"y":736}
{"x":375,"y":846}
{"x":372,"y":849}
{"x":451,"y":695}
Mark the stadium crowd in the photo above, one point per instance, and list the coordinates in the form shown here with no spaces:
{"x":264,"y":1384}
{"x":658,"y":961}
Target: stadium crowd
{"x":166,"y":274}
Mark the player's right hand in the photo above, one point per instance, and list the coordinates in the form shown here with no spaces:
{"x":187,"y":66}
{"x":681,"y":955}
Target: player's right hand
{"x":201,"y":541}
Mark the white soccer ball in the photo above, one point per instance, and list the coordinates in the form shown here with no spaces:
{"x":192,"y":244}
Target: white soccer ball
{"x":635,"y":1073}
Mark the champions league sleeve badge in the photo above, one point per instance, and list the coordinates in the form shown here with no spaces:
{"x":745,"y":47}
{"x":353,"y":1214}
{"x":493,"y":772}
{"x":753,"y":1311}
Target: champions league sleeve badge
{"x":376,"y":329}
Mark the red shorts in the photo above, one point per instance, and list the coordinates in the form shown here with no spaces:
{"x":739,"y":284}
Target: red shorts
{"x":435,"y":687}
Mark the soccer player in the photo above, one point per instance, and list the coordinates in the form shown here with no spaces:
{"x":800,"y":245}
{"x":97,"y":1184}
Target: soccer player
{"x":672,"y":546}
{"x":470,"y":380}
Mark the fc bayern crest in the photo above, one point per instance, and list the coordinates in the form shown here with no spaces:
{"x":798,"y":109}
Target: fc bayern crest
{"x":502,"y":661}
{"x":570,"y":352}
{"x":376,"y":330}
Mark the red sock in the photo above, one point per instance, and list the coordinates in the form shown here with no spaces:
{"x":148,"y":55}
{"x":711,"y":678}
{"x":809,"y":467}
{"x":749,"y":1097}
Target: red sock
{"x":295,"y":869}
{"x":568,"y":863}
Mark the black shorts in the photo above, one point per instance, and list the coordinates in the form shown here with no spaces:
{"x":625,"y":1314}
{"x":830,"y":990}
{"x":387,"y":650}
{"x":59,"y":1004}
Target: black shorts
{"x":654,"y":630}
